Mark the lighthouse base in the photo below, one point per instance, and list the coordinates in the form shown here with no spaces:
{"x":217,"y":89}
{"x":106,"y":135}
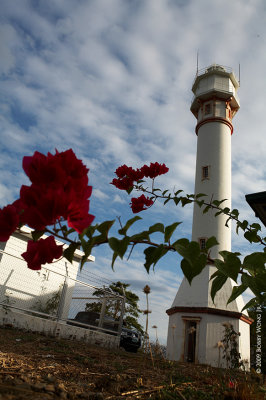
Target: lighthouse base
{"x":195,"y":335}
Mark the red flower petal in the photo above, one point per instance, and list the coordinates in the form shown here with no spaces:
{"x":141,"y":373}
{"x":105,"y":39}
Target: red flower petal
{"x":9,"y":221}
{"x":42,"y":252}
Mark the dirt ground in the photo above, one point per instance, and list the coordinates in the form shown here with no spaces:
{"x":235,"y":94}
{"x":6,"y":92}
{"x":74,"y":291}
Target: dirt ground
{"x":34,"y":366}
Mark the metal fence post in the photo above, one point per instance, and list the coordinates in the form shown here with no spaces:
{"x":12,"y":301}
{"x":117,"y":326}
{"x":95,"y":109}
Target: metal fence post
{"x":123,"y":305}
{"x":62,"y":299}
{"x":102,"y":312}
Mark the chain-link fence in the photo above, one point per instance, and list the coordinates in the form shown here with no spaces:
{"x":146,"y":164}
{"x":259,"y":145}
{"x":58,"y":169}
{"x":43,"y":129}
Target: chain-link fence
{"x":53,"y":293}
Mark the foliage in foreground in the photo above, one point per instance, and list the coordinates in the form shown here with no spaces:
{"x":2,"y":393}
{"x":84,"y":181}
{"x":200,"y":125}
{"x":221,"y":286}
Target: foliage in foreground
{"x":57,"y":203}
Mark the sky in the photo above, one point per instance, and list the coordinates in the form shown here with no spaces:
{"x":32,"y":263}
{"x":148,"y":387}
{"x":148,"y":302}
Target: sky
{"x":112,"y":80}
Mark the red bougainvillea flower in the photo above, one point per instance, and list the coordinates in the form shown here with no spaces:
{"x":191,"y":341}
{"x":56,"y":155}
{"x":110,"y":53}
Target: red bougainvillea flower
{"x":78,"y":217}
{"x":133,"y":174}
{"x":9,"y":221}
{"x":123,"y":184}
{"x":140,"y":203}
{"x":42,"y":252}
{"x":154,"y":170}
{"x":59,"y":190}
{"x":54,"y":169}
{"x":127,"y":175}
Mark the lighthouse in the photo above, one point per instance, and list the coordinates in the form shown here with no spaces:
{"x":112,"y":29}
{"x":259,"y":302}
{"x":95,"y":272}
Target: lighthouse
{"x":196,"y":323}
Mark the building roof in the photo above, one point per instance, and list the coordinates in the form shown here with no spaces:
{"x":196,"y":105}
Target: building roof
{"x":257,"y":202}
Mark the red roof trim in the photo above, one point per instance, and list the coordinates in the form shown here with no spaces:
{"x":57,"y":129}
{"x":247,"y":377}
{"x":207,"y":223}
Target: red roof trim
{"x":214,"y":119}
{"x":209,"y":310}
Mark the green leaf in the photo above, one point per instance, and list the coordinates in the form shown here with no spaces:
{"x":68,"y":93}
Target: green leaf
{"x":250,"y":304}
{"x":192,"y":269}
{"x":156,"y":228}
{"x":36,"y":235}
{"x":206,"y":209}
{"x":255,"y":262}
{"x":260,"y":281}
{"x":218,"y":213}
{"x":185,"y":201}
{"x":129,"y":190}
{"x":139,"y":237}
{"x":83,"y":260}
{"x":252,"y":236}
{"x":226,"y":223}
{"x":129,"y":223}
{"x":166,"y":201}
{"x":178,"y":191}
{"x":235,"y":212}
{"x":187,"y":270}
{"x":231,"y":265}
{"x":237,"y":291}
{"x":89,"y":231}
{"x":176,"y":200}
{"x":217,"y":284}
{"x":105,"y":227}
{"x":257,"y":227}
{"x":226,"y":210}
{"x":200,"y":203}
{"x":217,"y":203}
{"x":87,"y":247}
{"x":153,"y":255}
{"x":115,"y":255}
{"x":169,"y":230}
{"x":119,"y":246}
{"x":192,"y":252}
{"x":67,"y":231}
{"x":68,"y":253}
{"x":180,"y":245}
{"x":164,"y":192}
{"x":200,"y":195}
{"x":193,"y":260}
{"x":250,"y":281}
{"x":212,"y":241}
{"x":216,"y":273}
{"x":243,"y":225}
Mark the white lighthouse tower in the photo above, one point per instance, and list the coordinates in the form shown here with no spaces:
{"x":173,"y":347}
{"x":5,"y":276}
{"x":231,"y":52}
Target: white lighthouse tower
{"x":195,"y":322}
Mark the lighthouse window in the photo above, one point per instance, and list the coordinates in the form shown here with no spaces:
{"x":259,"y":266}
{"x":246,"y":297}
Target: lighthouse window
{"x":205,"y":172}
{"x":202,"y":243}
{"x":207,"y":109}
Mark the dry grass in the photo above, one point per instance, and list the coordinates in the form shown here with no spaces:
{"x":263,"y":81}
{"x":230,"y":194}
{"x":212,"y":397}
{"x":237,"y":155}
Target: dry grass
{"x":33,"y":366}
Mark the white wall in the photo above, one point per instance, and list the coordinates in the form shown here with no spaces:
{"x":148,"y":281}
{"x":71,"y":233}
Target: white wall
{"x":30,"y":289}
{"x":210,"y":332}
{"x":52,"y":328}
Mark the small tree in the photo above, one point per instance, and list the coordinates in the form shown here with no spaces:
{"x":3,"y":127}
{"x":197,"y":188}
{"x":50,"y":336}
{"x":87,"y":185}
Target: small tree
{"x":230,"y":347}
{"x":113,"y":305}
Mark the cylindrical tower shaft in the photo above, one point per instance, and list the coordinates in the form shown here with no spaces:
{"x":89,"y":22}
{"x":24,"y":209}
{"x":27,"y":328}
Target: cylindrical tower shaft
{"x":214,"y":105}
{"x":213,"y":178}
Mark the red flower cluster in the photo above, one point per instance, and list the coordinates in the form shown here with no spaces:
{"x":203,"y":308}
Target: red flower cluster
{"x":154,"y":170}
{"x":140,"y":203}
{"x":59,"y":189}
{"x":127,"y":175}
{"x":9,"y":221}
{"x":42,"y":252}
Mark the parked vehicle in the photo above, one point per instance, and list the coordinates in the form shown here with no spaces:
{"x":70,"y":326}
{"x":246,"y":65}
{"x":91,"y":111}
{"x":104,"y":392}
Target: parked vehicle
{"x":130,"y":339}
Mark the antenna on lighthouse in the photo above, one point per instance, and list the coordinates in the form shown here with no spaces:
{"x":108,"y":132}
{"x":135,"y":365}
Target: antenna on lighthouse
{"x":197,"y":61}
{"x":239,"y":74}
